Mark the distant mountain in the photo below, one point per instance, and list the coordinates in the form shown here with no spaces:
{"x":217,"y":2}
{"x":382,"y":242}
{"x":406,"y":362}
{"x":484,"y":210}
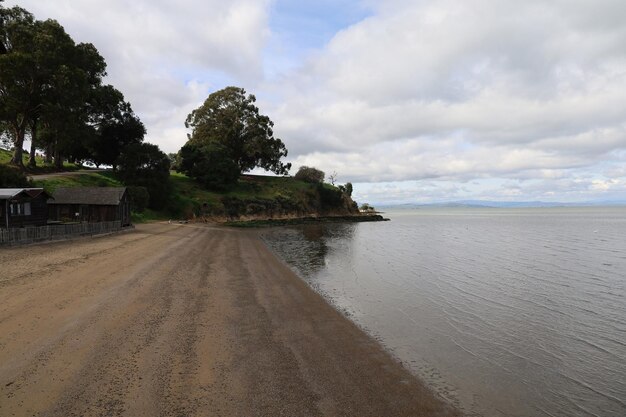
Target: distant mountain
{"x":499,"y":204}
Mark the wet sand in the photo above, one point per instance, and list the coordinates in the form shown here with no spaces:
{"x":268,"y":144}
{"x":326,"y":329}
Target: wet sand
{"x":184,"y":320}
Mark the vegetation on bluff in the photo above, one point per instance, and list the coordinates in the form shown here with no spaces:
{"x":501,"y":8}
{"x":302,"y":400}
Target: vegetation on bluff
{"x":252,"y":197}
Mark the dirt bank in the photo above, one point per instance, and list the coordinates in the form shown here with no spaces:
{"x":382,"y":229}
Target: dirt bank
{"x":183,"y":320}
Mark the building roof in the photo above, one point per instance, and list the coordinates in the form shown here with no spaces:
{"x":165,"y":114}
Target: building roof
{"x":9,"y":193}
{"x":95,"y":196}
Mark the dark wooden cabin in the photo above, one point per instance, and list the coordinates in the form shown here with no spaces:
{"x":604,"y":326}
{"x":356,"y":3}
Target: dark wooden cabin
{"x":90,"y":205}
{"x":23,"y":207}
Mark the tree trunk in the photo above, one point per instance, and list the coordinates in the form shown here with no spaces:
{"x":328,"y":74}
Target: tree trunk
{"x":20,"y":132}
{"x":49,"y":153}
{"x":32,"y":162}
{"x":58,"y":159}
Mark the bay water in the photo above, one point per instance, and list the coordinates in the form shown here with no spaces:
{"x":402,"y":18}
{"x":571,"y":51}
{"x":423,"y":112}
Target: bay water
{"x":503,"y":312}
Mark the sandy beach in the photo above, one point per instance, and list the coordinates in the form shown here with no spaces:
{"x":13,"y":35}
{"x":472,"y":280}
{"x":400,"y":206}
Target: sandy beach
{"x":184,"y":320}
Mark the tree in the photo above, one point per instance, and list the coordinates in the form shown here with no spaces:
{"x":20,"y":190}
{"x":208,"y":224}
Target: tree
{"x":174,"y":161}
{"x":51,"y":88}
{"x":45,"y":83}
{"x":145,"y":165}
{"x":333,"y":177}
{"x":366,"y":207}
{"x":309,"y":174}
{"x":116,"y":126}
{"x":19,"y":94}
{"x":139,"y":198}
{"x":209,"y":164}
{"x":348,"y":188}
{"x":68,"y":121}
{"x":56,"y":78}
{"x":229,"y":121}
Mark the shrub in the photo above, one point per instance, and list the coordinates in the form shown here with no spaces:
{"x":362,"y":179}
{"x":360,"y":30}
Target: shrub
{"x":329,"y":197}
{"x":348,"y":188}
{"x":139,"y":198}
{"x":310,"y":174}
{"x":11,"y":177}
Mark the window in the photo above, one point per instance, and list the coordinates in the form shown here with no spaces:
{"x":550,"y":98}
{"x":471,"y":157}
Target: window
{"x":20,"y":209}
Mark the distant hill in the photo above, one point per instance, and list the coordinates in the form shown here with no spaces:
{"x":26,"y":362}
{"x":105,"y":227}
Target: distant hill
{"x":500,"y":204}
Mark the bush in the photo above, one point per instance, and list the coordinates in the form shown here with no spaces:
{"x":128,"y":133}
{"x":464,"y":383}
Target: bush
{"x":348,"y":189}
{"x":309,"y":174}
{"x":329,"y":197}
{"x":139,"y":198}
{"x":11,"y":177}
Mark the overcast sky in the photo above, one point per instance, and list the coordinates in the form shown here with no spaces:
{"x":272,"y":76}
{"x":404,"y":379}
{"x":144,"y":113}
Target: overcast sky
{"x":411,"y":100}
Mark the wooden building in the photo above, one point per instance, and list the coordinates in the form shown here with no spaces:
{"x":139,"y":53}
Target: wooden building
{"x":90,"y":205}
{"x":23,"y":207}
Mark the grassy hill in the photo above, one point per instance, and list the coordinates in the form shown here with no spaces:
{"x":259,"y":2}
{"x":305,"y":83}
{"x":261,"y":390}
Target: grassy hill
{"x":5,"y":156}
{"x":258,"y":197}
{"x":90,"y":179}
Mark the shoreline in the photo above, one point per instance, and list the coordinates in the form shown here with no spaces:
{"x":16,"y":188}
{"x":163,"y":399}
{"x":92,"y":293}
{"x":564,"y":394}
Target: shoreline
{"x":391,"y":362}
{"x":293,"y":221}
{"x":186,"y":319}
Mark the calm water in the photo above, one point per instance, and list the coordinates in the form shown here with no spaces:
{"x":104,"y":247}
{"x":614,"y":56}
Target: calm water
{"x":517,"y":312}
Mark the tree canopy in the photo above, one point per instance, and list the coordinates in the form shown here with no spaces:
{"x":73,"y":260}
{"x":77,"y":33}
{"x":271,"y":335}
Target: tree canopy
{"x":51,"y":92}
{"x":230,"y":123}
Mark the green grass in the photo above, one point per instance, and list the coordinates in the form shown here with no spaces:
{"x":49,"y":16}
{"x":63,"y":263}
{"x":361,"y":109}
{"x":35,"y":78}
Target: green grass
{"x":191,"y":197}
{"x":148,"y":216}
{"x":94,"y":179}
{"x":248,"y":187}
{"x":41,"y":168}
{"x":5,"y":156}
{"x":252,"y":186}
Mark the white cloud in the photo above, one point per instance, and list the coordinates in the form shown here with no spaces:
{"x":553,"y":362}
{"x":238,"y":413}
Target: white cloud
{"x":454,"y":90}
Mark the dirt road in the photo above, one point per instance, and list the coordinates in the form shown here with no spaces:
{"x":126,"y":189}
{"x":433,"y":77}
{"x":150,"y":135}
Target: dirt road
{"x":183,"y":320}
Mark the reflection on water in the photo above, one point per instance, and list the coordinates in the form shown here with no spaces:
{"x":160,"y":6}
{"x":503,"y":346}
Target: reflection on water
{"x":306,"y":247}
{"x":504,"y":312}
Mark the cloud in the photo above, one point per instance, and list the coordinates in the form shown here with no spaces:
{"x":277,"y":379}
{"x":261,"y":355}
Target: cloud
{"x":456,"y":91}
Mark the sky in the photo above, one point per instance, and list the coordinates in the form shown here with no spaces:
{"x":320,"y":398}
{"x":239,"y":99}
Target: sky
{"x":413,"y":101}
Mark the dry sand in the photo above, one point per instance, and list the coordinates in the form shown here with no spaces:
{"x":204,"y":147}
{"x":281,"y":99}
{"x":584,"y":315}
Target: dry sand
{"x":184,"y":320}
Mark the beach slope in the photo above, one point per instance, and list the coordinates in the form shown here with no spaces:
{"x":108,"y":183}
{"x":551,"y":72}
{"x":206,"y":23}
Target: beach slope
{"x":184,"y":320}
